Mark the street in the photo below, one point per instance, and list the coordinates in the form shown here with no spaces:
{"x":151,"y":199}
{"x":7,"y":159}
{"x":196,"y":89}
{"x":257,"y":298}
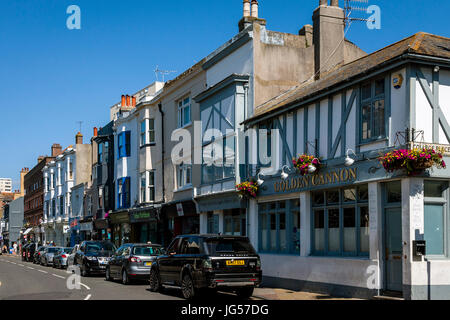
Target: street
{"x":21,"y":280}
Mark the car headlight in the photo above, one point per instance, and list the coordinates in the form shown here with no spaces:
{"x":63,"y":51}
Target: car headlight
{"x":91,"y":258}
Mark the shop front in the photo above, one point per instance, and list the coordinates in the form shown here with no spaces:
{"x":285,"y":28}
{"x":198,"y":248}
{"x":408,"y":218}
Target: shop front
{"x":102,"y":229}
{"x":75,"y":236}
{"x":144,"y":223}
{"x":86,"y":230}
{"x":177,"y":219}
{"x":120,"y":227}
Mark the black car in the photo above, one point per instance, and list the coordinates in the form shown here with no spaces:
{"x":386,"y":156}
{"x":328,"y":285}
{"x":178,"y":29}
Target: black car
{"x":24,"y":251}
{"x":28,"y":252}
{"x":193,"y":262}
{"x":37,"y":254}
{"x":132,"y":261}
{"x":32,"y":251}
{"x":93,"y":257}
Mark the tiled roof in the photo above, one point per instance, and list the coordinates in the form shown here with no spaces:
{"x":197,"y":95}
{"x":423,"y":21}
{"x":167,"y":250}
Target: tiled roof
{"x":420,"y":43}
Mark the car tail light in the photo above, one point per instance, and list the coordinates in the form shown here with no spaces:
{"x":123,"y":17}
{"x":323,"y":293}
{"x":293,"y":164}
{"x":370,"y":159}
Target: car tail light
{"x":258,"y":265}
{"x":134,"y":259}
{"x":64,"y":256}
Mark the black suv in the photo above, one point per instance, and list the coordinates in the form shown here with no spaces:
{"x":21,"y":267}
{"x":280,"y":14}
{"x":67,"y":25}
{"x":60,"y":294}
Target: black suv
{"x":94,"y":256}
{"x":193,"y":262}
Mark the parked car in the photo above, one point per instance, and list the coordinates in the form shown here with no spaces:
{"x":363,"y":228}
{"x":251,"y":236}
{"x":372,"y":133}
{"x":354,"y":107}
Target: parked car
{"x":37,"y":254}
{"x":94,"y":256}
{"x":193,"y":262}
{"x":132,"y":261}
{"x":31,"y":251}
{"x":47,"y":256}
{"x":71,"y":257}
{"x":60,"y":258}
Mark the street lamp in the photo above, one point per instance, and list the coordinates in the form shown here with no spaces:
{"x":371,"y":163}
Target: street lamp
{"x":284,"y":174}
{"x":312,"y":168}
{"x":349,"y":161}
{"x":260,"y":181}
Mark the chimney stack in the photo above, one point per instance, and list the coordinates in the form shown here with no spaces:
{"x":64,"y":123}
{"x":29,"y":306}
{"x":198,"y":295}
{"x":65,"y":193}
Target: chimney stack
{"x":56,"y":150}
{"x":128,"y":101}
{"x":247,"y":8}
{"x":95,"y":132}
{"x":134,"y":101}
{"x":328,"y":37}
{"x":79,"y":138}
{"x":123,"y":100}
{"x":255,"y":8}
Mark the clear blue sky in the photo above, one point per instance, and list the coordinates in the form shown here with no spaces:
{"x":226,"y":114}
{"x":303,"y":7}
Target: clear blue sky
{"x":52,"y":77}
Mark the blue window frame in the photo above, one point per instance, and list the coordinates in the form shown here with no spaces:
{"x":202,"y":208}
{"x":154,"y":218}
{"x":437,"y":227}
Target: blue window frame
{"x":279,"y":230}
{"x":340,"y":222}
{"x":123,"y":193}
{"x":124,"y":144}
{"x":373,"y":110}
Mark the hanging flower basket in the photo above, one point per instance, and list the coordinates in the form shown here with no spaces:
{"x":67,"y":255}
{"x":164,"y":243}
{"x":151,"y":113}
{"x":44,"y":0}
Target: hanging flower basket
{"x":414,"y":161}
{"x":303,"y":162}
{"x":248,"y":189}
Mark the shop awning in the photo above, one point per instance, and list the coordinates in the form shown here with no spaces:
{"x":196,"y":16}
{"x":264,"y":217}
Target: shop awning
{"x":27,"y":231}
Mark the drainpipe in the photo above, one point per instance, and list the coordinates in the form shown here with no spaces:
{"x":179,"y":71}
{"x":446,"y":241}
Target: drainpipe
{"x":163,"y":152}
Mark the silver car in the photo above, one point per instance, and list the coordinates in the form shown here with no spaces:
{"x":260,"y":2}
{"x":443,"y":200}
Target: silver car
{"x":71,"y":257}
{"x":47,"y":256}
{"x":60,"y":258}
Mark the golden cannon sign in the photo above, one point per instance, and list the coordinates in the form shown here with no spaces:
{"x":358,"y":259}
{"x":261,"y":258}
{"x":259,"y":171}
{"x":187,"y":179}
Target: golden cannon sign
{"x":332,"y":178}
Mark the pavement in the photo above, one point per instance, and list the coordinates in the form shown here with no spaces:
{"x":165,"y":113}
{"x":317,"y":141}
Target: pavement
{"x":26,"y":281}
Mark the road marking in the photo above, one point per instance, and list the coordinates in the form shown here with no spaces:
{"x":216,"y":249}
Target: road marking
{"x":85,"y":286}
{"x":30,"y":268}
{"x":14,"y":263}
{"x":0,"y":283}
{"x":55,"y":275}
{"x":88,"y":297}
{"x":21,"y":265}
{"x":42,"y":271}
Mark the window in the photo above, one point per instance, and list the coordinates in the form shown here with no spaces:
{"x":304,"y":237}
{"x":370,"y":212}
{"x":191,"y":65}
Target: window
{"x":53,"y":208}
{"x":123,"y":193}
{"x":436,"y":218}
{"x":341,"y":222}
{"x":235,"y":222}
{"x":151,"y":131}
{"x":100,"y":153}
{"x":61,"y":206}
{"x":184,"y":112}
{"x":70,"y":170}
{"x":213,"y":223}
{"x":184,"y":175}
{"x":280,"y":227}
{"x":373,"y":125}
{"x":151,"y":185}
{"x":143,"y":140}
{"x":143,"y":187}
{"x":100,"y":197}
{"x":53,"y":180}
{"x":124,"y":144}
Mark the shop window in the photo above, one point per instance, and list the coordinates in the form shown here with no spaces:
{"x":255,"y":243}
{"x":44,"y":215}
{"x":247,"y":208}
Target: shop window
{"x":394,"y":192}
{"x":234,"y":222}
{"x":436,"y":217}
{"x":341,"y":227}
{"x":280,"y":227}
{"x":213,"y":223}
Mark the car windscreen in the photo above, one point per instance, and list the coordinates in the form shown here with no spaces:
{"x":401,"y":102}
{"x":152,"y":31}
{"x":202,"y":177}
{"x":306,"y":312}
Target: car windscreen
{"x":68,"y":250}
{"x":53,"y":250}
{"x":99,"y":246}
{"x":218,"y":246}
{"x":146,"y":251}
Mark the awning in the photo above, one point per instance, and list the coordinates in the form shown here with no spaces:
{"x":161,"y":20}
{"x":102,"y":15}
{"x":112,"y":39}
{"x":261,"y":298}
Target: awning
{"x":27,"y":231}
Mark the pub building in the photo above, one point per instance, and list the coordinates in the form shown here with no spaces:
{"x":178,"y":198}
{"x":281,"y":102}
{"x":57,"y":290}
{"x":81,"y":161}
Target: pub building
{"x":350,"y":227}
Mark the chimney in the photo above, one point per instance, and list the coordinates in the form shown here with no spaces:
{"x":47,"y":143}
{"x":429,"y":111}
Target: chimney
{"x":328,"y":37}
{"x":255,"y":8}
{"x":95,"y":132}
{"x":56,"y":150}
{"x":79,"y":138}
{"x":123,"y":100}
{"x":134,"y":101}
{"x":40,"y":158}
{"x":128,"y":101}
{"x":22,"y":180}
{"x":246,"y":8}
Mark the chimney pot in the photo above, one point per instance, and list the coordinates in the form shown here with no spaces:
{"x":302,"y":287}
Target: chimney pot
{"x":255,"y":8}
{"x":134,"y":101}
{"x":247,"y":12}
{"x":123,"y":100}
{"x":335,"y":3}
{"x":323,"y":2}
{"x":95,"y":132}
{"x":79,"y":138}
{"x":128,"y":101}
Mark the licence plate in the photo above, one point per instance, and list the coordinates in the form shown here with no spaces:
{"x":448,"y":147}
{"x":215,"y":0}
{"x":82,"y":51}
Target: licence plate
{"x":148,"y":264}
{"x":235,"y":263}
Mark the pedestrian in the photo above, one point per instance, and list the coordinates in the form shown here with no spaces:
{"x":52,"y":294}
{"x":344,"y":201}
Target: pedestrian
{"x":5,"y":249}
{"x":15,"y":248}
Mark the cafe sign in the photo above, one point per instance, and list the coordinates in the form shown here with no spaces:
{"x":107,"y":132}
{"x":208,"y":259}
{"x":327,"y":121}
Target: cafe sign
{"x":332,"y":178}
{"x":144,"y":216}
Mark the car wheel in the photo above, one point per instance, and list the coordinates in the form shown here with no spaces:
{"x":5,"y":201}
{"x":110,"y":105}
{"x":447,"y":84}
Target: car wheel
{"x":125,"y":279}
{"x":108,"y":274}
{"x":187,"y":287}
{"x":245,"y":293}
{"x":84,"y":272}
{"x":155,"y":283}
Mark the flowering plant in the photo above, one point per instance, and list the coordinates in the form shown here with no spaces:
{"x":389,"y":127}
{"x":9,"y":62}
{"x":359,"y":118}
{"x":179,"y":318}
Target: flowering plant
{"x":303,"y":162}
{"x":413,"y":161}
{"x":247,"y":189}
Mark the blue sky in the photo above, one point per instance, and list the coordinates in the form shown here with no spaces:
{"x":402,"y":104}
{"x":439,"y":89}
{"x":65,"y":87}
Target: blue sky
{"x":52,"y":77}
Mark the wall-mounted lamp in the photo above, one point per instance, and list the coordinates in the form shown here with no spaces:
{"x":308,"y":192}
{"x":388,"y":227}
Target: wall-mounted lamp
{"x":284,"y":174}
{"x":349,"y":161}
{"x":260,"y":181}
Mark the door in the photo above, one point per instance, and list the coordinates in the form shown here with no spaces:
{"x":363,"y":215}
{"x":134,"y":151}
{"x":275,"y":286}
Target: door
{"x":166,"y":262}
{"x":394,"y":249}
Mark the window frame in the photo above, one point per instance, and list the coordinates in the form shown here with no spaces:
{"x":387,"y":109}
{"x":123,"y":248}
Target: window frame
{"x":123,"y":194}
{"x":385,"y":96}
{"x":341,"y":206}
{"x":124,"y":145}
{"x":182,"y":105}
{"x":182,"y":176}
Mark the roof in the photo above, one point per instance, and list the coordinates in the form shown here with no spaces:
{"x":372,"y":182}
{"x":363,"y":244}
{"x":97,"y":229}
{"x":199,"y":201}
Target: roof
{"x":421,"y":43}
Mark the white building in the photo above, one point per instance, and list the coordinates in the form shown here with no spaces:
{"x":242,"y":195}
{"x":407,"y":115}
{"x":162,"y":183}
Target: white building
{"x":6,"y":185}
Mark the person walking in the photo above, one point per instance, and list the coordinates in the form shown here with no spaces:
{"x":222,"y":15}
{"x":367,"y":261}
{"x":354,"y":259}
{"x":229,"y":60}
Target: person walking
{"x":15,"y":248}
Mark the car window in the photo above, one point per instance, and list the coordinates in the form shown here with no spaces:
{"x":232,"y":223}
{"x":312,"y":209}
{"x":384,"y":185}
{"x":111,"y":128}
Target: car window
{"x":194,"y":246}
{"x":147,"y":251}
{"x":119,"y":251}
{"x":183,"y":247}
{"x":126,"y":251}
{"x":215,"y":246}
{"x":174,"y":246}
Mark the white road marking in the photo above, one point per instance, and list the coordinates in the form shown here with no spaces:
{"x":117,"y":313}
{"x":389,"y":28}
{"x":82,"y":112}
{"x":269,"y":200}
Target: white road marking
{"x":85,"y":286}
{"x":42,"y":271}
{"x":21,"y":265}
{"x":30,"y":268}
{"x":88,"y":297}
{"x":14,"y":263}
{"x":0,"y":283}
{"x":55,"y":275}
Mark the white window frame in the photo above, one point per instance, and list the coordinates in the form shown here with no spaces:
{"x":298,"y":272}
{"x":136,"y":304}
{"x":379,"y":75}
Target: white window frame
{"x":182,"y":105}
{"x":184,"y":174}
{"x":151,"y":129}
